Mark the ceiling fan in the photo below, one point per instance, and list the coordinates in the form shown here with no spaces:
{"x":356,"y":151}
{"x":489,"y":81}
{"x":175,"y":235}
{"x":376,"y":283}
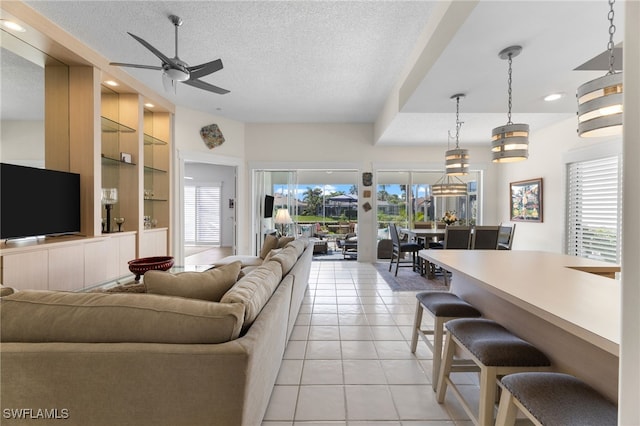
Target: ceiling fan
{"x":176,"y":70}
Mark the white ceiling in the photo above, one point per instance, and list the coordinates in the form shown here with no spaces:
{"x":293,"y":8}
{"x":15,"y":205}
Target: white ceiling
{"x":340,"y":61}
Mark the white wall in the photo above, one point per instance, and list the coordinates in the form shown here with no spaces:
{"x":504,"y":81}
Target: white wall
{"x":22,"y":142}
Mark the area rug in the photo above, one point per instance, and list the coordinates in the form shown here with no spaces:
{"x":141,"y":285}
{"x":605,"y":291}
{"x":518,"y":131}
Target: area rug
{"x":407,"y":279}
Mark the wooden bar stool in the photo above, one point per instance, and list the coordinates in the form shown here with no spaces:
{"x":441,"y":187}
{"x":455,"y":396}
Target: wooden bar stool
{"x":553,"y":399}
{"x":495,"y":351}
{"x":443,"y":306}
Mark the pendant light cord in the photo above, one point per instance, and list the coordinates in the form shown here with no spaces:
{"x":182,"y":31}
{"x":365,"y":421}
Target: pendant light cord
{"x":612,"y":31}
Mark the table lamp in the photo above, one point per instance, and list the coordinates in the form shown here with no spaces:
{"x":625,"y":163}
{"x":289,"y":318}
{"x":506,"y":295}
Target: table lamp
{"x":282,"y":219}
{"x":109,"y":198}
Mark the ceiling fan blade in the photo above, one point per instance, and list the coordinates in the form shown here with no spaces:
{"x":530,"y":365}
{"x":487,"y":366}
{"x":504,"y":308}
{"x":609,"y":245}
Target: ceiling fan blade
{"x":206,"y":86}
{"x":201,"y":70}
{"x":164,"y":58}
{"x":147,"y":67}
{"x":168,"y":84}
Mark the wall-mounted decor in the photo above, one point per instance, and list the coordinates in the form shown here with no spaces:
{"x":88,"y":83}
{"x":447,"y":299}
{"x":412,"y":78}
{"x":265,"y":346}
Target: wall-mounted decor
{"x":212,"y":136}
{"x":366,"y":193}
{"x":367,"y":178}
{"x":366,"y":206}
{"x":526,"y":200}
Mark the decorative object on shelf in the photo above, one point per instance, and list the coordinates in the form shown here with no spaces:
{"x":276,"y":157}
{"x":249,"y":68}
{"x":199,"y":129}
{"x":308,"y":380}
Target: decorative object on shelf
{"x":109,"y":198}
{"x":212,"y":136}
{"x":157,"y":263}
{"x":125,"y":157}
{"x":510,"y":143}
{"x":526,"y":200}
{"x":146,"y":222}
{"x":367,"y":178}
{"x":119,"y":221}
{"x":449,"y":217}
{"x":148,"y":194}
{"x":283,"y":219}
{"x":600,"y":100}
{"x":457,"y":159}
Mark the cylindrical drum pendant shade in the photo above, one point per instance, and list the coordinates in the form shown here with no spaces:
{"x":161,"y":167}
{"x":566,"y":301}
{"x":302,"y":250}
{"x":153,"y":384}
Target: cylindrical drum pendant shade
{"x":600,"y":106}
{"x":510,"y":143}
{"x":457,"y":162}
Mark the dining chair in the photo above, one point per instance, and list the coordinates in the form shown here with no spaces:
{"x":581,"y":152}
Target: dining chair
{"x":399,"y":248}
{"x":485,"y":238}
{"x":505,"y":239}
{"x":457,"y":237}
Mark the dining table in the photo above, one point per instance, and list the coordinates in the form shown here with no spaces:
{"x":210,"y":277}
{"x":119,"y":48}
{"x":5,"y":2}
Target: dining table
{"x":424,"y":234}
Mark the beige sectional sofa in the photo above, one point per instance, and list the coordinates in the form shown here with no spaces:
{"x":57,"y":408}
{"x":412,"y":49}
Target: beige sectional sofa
{"x":151,"y":359}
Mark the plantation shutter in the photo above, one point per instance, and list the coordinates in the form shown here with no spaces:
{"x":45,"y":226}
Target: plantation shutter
{"x":202,"y":207}
{"x":594,"y":209}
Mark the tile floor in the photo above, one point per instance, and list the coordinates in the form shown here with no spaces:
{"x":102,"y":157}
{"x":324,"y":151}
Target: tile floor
{"x":349,"y":363}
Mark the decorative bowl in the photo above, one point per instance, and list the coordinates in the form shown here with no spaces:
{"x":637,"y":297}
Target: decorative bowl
{"x":159,"y":263}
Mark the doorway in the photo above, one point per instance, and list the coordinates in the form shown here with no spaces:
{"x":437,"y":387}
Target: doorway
{"x":208,"y":212}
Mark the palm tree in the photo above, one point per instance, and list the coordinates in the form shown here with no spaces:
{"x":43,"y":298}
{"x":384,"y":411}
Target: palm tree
{"x":313,"y":198}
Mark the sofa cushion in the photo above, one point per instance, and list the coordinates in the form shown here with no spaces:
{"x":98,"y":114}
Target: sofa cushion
{"x":283,"y":241}
{"x":6,"y":291}
{"x":55,"y":316}
{"x":286,"y":258}
{"x":270,"y":243}
{"x":299,"y":244}
{"x":244,"y":259}
{"x":208,"y":285}
{"x":254,"y":290}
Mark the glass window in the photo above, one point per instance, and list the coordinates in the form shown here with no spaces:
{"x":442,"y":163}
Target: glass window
{"x":594,"y":202}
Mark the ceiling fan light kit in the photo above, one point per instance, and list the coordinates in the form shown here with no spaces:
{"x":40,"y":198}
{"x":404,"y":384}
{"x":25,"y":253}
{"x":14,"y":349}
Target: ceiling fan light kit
{"x":457,"y":159}
{"x":176,"y":70}
{"x":600,"y":100}
{"x":510,"y":142}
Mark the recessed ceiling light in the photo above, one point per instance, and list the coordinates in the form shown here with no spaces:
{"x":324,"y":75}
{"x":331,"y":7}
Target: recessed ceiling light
{"x":149,"y":105}
{"x":553,"y":97}
{"x":13,"y":26}
{"x":111,"y":83}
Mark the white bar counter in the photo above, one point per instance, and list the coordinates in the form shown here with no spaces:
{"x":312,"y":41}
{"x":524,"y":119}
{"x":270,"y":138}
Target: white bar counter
{"x":565,"y":305}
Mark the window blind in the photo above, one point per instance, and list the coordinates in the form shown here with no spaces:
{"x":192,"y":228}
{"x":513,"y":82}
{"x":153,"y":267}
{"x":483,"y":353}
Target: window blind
{"x":202,"y":214}
{"x":594,"y":209}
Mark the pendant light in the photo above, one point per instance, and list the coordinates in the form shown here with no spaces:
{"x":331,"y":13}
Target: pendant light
{"x":457,"y":160}
{"x":600,"y":100}
{"x":510,"y":143}
{"x":448,"y":186}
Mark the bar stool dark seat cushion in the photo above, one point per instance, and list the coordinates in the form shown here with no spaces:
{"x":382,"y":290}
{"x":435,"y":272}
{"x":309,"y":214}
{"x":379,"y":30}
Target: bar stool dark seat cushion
{"x":561,"y":399}
{"x":494,"y":345}
{"x":445,"y":304}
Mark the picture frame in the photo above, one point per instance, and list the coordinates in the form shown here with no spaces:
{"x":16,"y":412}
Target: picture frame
{"x":525,"y":198}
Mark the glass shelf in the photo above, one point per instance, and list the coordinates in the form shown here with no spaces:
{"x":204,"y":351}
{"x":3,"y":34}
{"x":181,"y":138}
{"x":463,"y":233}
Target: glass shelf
{"x":155,"y":199}
{"x":152,"y":169}
{"x":108,"y":161}
{"x":150,"y":140}
{"x":110,"y":126}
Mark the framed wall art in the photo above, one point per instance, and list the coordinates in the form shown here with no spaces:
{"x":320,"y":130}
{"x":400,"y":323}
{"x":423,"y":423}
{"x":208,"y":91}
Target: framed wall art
{"x":526,"y":200}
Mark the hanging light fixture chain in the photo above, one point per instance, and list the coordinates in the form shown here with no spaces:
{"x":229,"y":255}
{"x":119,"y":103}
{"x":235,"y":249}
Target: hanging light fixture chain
{"x":458,"y":122}
{"x":509,"y":80}
{"x":612,"y":31}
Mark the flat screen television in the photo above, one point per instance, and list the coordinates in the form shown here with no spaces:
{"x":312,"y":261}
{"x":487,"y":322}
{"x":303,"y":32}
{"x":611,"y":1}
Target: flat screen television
{"x":36,"y":202}
{"x":268,"y":206}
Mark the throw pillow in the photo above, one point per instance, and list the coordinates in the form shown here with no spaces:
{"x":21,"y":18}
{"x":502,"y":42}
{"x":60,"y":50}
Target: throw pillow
{"x":283,"y":241}
{"x":270,"y":243}
{"x":208,"y":285}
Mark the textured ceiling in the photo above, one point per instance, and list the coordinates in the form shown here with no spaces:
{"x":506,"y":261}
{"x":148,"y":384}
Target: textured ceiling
{"x":339,"y":61}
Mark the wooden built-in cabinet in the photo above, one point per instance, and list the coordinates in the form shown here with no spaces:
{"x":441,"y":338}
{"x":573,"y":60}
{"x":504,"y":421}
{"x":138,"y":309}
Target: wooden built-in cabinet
{"x":88,"y":126}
